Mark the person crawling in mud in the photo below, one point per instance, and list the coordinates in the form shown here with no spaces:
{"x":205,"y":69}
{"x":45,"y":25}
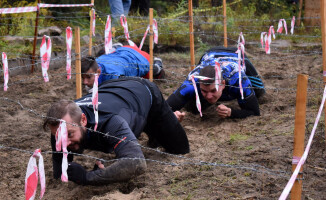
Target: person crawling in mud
{"x":121,"y":61}
{"x":228,"y":89}
{"x":126,"y":107}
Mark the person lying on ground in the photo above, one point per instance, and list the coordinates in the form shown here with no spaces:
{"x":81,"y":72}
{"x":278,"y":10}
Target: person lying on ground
{"x":122,"y":61}
{"x":126,"y":107}
{"x":228,"y":90}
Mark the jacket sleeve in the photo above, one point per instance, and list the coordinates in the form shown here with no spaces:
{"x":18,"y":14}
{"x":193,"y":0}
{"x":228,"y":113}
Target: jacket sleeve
{"x":179,"y":98}
{"x":130,"y":157}
{"x":249,"y":107}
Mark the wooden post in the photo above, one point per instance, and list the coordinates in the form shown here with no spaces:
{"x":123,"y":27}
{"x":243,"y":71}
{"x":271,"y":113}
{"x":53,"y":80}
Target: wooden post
{"x":151,"y":44}
{"x":91,"y":31}
{"x":35,"y":38}
{"x":225,"y":24}
{"x":191,"y":35}
{"x":300,"y":11}
{"x":78,"y":64}
{"x":323,"y":36}
{"x":299,"y":131}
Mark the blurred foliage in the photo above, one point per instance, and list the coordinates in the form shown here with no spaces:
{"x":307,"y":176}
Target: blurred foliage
{"x":248,"y":16}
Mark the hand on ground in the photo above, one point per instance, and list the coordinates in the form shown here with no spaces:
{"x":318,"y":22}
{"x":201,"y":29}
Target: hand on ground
{"x":180,"y":115}
{"x":223,"y":111}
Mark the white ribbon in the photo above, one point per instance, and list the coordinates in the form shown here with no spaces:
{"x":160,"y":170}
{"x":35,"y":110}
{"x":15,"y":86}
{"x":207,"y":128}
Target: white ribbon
{"x":94,"y":21}
{"x":198,"y":105}
{"x":218,"y":75}
{"x":241,"y":50}
{"x":262,"y":41}
{"x":68,"y":44}
{"x":32,"y":173}
{"x":5,"y":71}
{"x":45,"y":50}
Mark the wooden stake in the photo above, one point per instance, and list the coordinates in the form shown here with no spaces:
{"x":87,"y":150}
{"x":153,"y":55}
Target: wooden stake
{"x":323,"y":36}
{"x":35,"y":38}
{"x":191,"y":36}
{"x":151,"y":44}
{"x":300,"y":11}
{"x":299,"y":131}
{"x":90,"y":44}
{"x":78,"y":64}
{"x":225,"y":25}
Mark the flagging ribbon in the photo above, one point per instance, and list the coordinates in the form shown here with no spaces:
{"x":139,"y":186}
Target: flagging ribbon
{"x":241,"y":51}
{"x":218,"y":75}
{"x":68,"y":44}
{"x":324,"y":73}
{"x":124,"y":24}
{"x":35,"y":8}
{"x":108,"y":35}
{"x":5,"y":71}
{"x":95,"y":100}
{"x":269,"y":39}
{"x":45,"y":50}
{"x":32,"y":174}
{"x":292,"y":25}
{"x":61,"y":137}
{"x":302,"y":160}
{"x":155,"y":30}
{"x":295,"y":160}
{"x":263,"y":37}
{"x":282,"y":23}
{"x":94,"y":21}
{"x":198,"y":105}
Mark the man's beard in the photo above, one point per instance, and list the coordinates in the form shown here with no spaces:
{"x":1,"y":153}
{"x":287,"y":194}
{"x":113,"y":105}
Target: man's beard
{"x":82,"y":141}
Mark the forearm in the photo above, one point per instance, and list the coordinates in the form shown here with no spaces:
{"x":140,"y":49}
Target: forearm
{"x":250,"y":107}
{"x":121,"y":170}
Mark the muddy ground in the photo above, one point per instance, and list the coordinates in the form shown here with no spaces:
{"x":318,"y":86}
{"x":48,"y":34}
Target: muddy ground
{"x":252,"y":156}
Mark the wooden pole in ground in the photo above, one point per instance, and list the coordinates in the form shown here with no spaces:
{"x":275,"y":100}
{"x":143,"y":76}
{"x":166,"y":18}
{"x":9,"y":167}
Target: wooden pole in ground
{"x":151,"y":44}
{"x":191,"y":36}
{"x":35,"y":38}
{"x":300,"y":11}
{"x":90,"y":44}
{"x":323,"y":35}
{"x":225,"y":25}
{"x":299,"y":132}
{"x":78,"y":64}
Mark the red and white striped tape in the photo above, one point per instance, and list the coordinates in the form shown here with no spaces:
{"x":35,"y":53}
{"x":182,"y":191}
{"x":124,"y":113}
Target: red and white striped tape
{"x":124,"y":24}
{"x":218,"y":75}
{"x":68,"y":44}
{"x":94,"y":21}
{"x":282,"y":23}
{"x":241,"y":51}
{"x":263,"y":37}
{"x":108,"y":35}
{"x":32,"y":174}
{"x":302,"y":160}
{"x":269,"y":39}
{"x":18,"y":10}
{"x":5,"y":71}
{"x":45,"y":5}
{"x":45,"y":50}
{"x":35,"y":8}
{"x":292,"y":25}
{"x":61,"y":137}
{"x":198,"y":105}
{"x":155,"y":30}
{"x":95,"y":100}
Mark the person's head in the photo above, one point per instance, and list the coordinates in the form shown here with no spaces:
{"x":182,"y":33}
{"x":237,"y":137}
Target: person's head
{"x":207,"y":87}
{"x":75,"y":121}
{"x":88,"y":69}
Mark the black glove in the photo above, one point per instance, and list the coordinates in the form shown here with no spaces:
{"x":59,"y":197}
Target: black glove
{"x":76,"y":173}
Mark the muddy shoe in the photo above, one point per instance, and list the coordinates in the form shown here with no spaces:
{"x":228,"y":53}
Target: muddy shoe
{"x":158,"y":71}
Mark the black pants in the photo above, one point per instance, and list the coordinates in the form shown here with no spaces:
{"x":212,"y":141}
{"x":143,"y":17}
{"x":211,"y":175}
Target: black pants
{"x":163,"y":125}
